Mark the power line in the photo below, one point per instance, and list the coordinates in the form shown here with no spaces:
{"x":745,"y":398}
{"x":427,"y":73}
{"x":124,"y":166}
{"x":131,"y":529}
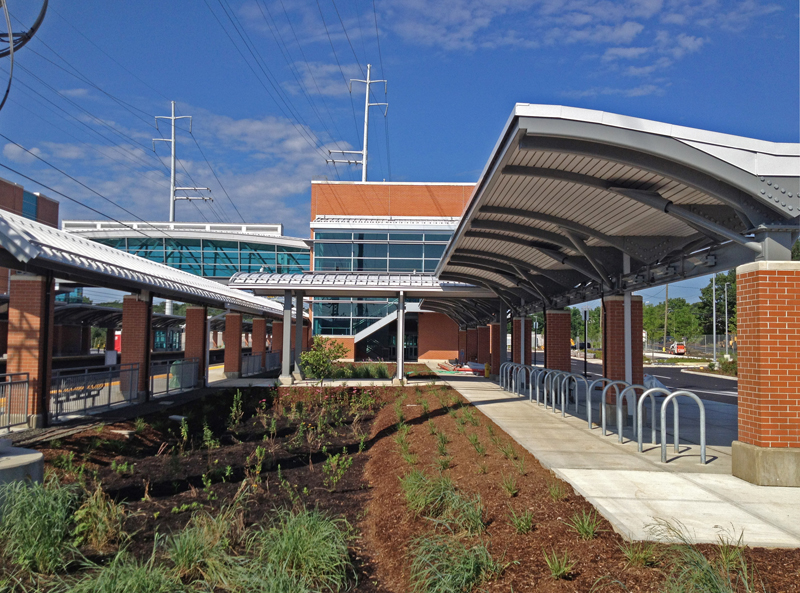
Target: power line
{"x":386,"y":118}
{"x":217,"y":177}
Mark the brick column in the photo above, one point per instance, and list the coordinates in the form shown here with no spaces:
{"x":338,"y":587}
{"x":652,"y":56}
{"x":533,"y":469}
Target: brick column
{"x":137,"y":316}
{"x":768,"y":309}
{"x":494,"y":347}
{"x":558,"y":329}
{"x":196,"y":339}
{"x":528,"y":340}
{"x":614,"y":339}
{"x":521,"y":330}
{"x":277,"y":335}
{"x":30,"y":341}
{"x":260,"y":338}
{"x":233,"y":345}
{"x":472,"y":344}
{"x":462,"y":345}
{"x":484,"y":346}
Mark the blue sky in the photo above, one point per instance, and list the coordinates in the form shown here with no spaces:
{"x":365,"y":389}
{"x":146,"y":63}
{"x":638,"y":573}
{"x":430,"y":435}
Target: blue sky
{"x":455,"y":69}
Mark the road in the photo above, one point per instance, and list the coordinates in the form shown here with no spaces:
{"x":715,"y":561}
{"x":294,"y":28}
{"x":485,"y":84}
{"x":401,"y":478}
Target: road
{"x":709,"y":388}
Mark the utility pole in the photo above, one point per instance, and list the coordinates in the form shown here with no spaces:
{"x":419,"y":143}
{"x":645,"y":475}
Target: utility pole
{"x":367,"y":105}
{"x":726,"y":320}
{"x":172,"y":186}
{"x":666,"y":312}
{"x":714,"y":315}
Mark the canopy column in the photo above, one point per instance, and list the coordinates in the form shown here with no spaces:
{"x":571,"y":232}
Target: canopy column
{"x":137,"y":318}
{"x":197,"y":339}
{"x":494,"y":348}
{"x":557,"y":335}
{"x":233,"y":345}
{"x":484,"y":345}
{"x":462,"y":344}
{"x":260,"y":339}
{"x":297,"y":372}
{"x":401,"y":338}
{"x":623,"y":354}
{"x":286,"y":377}
{"x":472,"y":344}
{"x":521,"y":330}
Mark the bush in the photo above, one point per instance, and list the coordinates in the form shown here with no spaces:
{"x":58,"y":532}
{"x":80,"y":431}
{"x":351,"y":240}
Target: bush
{"x":309,"y":547}
{"x":36,"y":524}
{"x":729,"y":367}
{"x":438,"y":500}
{"x":125,"y":574}
{"x":318,"y":362}
{"x":99,"y":521}
{"x":442,"y":564}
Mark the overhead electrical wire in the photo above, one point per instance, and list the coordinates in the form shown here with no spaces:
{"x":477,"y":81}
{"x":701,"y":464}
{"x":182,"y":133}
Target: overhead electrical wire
{"x":10,"y":53}
{"x":386,"y":118}
{"x":217,"y":177}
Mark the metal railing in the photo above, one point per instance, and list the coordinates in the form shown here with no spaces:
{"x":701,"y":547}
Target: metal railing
{"x":168,"y":377}
{"x":13,"y":400}
{"x":74,"y":392}
{"x":552,"y":387}
{"x":251,"y":364}
{"x":273,"y":361}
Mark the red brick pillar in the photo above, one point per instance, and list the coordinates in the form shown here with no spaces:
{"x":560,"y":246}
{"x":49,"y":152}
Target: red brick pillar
{"x":260,"y":338}
{"x":462,"y":345}
{"x":557,"y":335}
{"x":495,"y":347}
{"x":484,"y":346}
{"x":768,"y":309}
{"x":137,"y":316}
{"x":528,"y":340}
{"x":306,"y":337}
{"x":515,"y":336}
{"x":521,"y":339}
{"x":277,"y":336}
{"x":614,"y":339}
{"x":472,"y":344}
{"x":30,"y":342}
{"x":197,"y":339}
{"x":86,"y":339}
{"x":233,"y":345}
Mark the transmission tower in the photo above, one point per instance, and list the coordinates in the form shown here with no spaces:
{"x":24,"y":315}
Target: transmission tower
{"x":367,"y":105}
{"x":172,"y":187}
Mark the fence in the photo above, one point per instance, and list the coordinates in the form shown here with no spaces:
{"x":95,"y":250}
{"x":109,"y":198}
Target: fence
{"x":173,"y":376}
{"x":273,"y":362}
{"x":251,"y":364}
{"x":76,"y":392}
{"x":699,"y":346}
{"x":13,"y":400}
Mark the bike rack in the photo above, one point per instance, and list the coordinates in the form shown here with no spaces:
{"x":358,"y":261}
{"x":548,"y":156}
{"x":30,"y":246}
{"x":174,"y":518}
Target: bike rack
{"x":603,"y":400}
{"x":522,"y":369}
{"x":565,"y":389}
{"x":621,"y":397}
{"x":664,"y":406}
{"x":533,"y":376}
{"x":589,"y":398}
{"x":650,"y":393}
{"x":551,"y":387}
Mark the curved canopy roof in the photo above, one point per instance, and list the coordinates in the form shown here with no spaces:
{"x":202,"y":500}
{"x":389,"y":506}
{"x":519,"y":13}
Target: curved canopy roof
{"x":575,"y":204}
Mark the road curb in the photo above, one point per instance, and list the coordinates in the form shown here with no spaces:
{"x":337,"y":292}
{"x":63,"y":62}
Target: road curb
{"x":710,"y":375}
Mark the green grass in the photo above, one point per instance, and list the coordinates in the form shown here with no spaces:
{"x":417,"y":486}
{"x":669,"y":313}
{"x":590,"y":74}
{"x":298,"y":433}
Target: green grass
{"x":519,"y":465}
{"x":99,"y":521}
{"x":431,"y":427}
{"x":443,"y":463}
{"x":443,"y":564}
{"x":509,"y":485}
{"x":507,"y":449}
{"x":125,"y":574}
{"x":560,"y":566}
{"x":438,"y":500}
{"x":585,"y":524}
{"x":557,"y":490}
{"x":309,"y":546}
{"x":36,"y":523}
{"x":639,"y":554}
{"x":522,"y":522}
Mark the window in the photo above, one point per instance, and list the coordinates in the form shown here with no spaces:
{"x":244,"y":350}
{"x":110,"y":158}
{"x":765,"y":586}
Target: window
{"x":30,"y":205}
{"x":434,"y":251}
{"x":405,"y":237}
{"x":330,"y":264}
{"x":370,"y":236}
{"x":370,"y":249}
{"x":332,"y":327}
{"x":334,"y":236}
{"x":333,"y":249}
{"x":335,"y":309}
{"x":405,"y":250}
{"x":152,"y":249}
{"x":369,"y":265}
{"x":438,"y":236}
{"x":405,"y":265}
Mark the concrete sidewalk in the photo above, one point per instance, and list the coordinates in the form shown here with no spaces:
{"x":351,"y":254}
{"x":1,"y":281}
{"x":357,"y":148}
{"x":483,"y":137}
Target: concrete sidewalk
{"x":633,"y":489}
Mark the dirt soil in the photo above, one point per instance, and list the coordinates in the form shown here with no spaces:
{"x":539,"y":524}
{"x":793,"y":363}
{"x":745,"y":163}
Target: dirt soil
{"x":600,"y":564}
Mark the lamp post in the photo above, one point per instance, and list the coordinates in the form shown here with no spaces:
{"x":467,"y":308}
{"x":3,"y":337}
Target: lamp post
{"x":726,"y":320}
{"x":714,"y":317}
{"x":585,"y":341}
{"x":535,"y":340}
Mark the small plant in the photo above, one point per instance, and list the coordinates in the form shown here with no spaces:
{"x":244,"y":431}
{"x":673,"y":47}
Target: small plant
{"x":560,"y":566}
{"x":409,"y":457}
{"x":99,"y":521}
{"x":126,"y":574}
{"x":480,"y":449}
{"x":443,"y":564}
{"x":431,"y":427}
{"x":139,"y":425}
{"x":639,"y":554}
{"x":509,"y":484}
{"x":469,"y":416}
{"x":586,"y":525}
{"x":335,"y":467}
{"x":522,"y":522}
{"x":398,"y":411}
{"x":507,"y":449}
{"x":483,"y":468}
{"x":362,"y":443}
{"x":318,"y":362}
{"x":206,"y":478}
{"x":235,"y":417}
{"x":557,"y":490}
{"x":65,"y":461}
{"x":490,"y":430}
{"x":425,"y":407}
{"x":126,"y":467}
{"x":255,"y":465}
{"x":519,"y":465}
{"x":443,"y":463}
{"x":473,"y":439}
{"x":209,"y":442}
{"x":189,"y":506}
{"x":184,"y":429}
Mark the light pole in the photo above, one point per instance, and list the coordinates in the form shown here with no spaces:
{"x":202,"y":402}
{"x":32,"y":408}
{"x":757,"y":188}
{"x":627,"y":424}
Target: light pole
{"x":714,"y":317}
{"x":726,"y":320}
{"x":652,"y":343}
{"x":585,"y":341}
{"x":535,"y":340}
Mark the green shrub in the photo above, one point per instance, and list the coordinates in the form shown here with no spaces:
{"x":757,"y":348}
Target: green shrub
{"x":560,"y":566}
{"x":307,"y":545}
{"x":335,"y":467}
{"x":99,"y":521}
{"x":125,"y":574}
{"x":438,"y":500}
{"x":442,"y":564}
{"x":36,"y":523}
{"x":586,"y":525}
{"x":639,"y":554}
{"x":522,"y":522}
{"x":729,"y":367}
{"x":318,"y":361}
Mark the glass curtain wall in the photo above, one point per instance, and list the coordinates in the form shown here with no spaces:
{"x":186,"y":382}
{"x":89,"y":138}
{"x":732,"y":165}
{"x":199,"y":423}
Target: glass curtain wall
{"x":215,"y":258}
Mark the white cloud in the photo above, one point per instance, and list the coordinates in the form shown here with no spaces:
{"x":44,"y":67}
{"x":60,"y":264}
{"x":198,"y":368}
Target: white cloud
{"x":626,"y":53}
{"x":74,"y":93}
{"x":326,"y":79}
{"x":14,"y":153}
{"x":639,"y":91}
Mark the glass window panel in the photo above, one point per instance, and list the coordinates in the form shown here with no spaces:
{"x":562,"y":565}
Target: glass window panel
{"x":196,"y":269}
{"x":370,"y":249}
{"x":405,"y":250}
{"x":30,"y":205}
{"x":362,"y":324}
{"x":331,"y":264}
{"x":183,"y":257}
{"x":262,"y":268}
{"x":115,"y":243}
{"x":283,"y":249}
{"x":370,"y":236}
{"x":432,"y":251}
{"x":369,"y":265}
{"x":220,"y":245}
{"x":219,"y":271}
{"x":333,"y":249}
{"x":405,"y":236}
{"x":335,"y":309}
{"x":438,"y":236}
{"x":257,"y":247}
{"x":430,"y":265}
{"x":220,"y":257}
{"x":405,"y":265}
{"x":146,"y":243}
{"x":264,"y":258}
{"x":332,"y":327}
{"x":183,"y":244}
{"x":371,"y":309}
{"x":299,"y":259}
{"x":334,"y":236}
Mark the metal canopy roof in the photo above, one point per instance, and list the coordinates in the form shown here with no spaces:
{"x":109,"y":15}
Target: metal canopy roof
{"x":568,"y":192}
{"x":31,"y":246}
{"x":354,"y":285}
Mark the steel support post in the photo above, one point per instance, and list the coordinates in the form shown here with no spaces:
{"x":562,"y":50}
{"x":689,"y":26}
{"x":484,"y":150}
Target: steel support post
{"x":298,"y":334}
{"x":286,"y":348}
{"x":401,"y":338}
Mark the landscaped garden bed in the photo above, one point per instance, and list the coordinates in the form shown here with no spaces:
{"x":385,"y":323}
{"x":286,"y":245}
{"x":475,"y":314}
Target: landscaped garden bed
{"x":327,"y":489}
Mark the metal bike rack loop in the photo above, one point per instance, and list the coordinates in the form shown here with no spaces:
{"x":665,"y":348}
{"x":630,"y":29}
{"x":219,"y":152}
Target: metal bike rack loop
{"x":670,"y":398}
{"x":651,"y":394}
{"x":603,"y":400}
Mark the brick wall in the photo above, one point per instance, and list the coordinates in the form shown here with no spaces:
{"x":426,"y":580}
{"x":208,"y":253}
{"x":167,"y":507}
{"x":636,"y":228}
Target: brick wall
{"x":437,"y":337}
{"x":768,"y":312}
{"x":26,"y":309}
{"x":388,"y":199}
{"x":484,"y":346}
{"x":462,"y":345}
{"x":472,"y":344}
{"x":495,"y":348}
{"x":233,"y":343}
{"x":196,"y":341}
{"x":557,"y":337}
{"x":614,"y":329}
{"x":136,"y":320}
{"x":260,"y":338}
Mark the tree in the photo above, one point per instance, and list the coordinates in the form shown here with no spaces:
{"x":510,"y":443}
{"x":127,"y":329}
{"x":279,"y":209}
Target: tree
{"x":796,"y":251}
{"x":318,"y":362}
{"x":705,"y":306}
